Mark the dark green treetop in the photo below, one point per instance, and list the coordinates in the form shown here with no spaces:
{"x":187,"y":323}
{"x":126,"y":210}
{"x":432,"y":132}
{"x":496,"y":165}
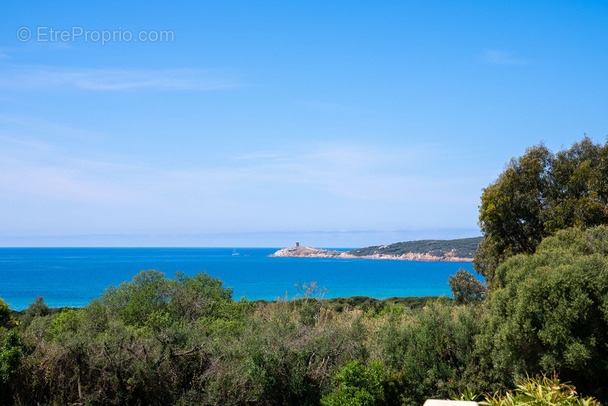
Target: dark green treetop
{"x":538,"y":194}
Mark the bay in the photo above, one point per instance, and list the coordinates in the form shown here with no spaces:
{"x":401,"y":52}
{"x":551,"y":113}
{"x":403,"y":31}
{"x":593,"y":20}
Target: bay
{"x":75,"y":276}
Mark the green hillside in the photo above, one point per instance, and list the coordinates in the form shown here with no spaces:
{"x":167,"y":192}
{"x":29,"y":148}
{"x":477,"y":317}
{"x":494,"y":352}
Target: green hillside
{"x":463,"y":247}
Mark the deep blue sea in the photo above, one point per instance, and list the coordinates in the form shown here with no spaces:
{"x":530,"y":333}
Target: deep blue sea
{"x":74,"y":276}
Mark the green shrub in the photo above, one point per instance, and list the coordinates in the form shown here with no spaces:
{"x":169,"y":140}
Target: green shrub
{"x":150,"y":298}
{"x":11,"y":355}
{"x":36,"y":309}
{"x":542,"y":391}
{"x":6,"y":319}
{"x":549,"y":312}
{"x":357,"y":385}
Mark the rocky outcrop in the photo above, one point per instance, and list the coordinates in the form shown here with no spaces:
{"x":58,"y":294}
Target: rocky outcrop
{"x":302,"y":251}
{"x":310,"y":252}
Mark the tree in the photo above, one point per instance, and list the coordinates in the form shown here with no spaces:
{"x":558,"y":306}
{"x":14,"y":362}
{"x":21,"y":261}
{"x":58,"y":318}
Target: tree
{"x":6,"y":319}
{"x":36,"y":309}
{"x":538,"y":194}
{"x":466,"y":288}
{"x":549,"y":312}
{"x":137,"y":301}
{"x":150,"y":298}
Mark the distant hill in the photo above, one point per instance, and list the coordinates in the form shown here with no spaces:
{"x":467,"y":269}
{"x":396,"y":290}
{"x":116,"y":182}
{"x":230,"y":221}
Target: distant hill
{"x":462,"y":247}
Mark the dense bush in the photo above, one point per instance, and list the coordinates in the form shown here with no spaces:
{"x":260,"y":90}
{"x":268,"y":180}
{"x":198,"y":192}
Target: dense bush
{"x":36,"y":309}
{"x":433,"y":349}
{"x":142,"y":343}
{"x":11,"y":353}
{"x":6,"y":318}
{"x":157,"y":341}
{"x":357,"y":385}
{"x":549,"y":312}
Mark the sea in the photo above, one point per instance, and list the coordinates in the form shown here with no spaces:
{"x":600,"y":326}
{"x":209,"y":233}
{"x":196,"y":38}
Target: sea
{"x":72,"y":277}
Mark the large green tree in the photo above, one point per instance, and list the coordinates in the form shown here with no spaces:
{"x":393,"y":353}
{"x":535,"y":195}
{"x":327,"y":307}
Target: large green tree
{"x":538,"y":194}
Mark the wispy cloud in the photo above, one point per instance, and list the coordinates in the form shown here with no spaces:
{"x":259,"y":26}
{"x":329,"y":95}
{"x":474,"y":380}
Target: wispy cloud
{"x":46,"y":77}
{"x":67,"y":182}
{"x":39,"y":158}
{"x":498,"y":57}
{"x":353,"y":172}
{"x":294,"y":184}
{"x":25,"y":127}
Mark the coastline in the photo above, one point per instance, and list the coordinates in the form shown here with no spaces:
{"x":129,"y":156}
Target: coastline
{"x":310,"y":252}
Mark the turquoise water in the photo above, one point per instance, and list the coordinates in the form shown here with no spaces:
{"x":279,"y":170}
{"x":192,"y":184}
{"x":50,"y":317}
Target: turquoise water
{"x":74,"y":276}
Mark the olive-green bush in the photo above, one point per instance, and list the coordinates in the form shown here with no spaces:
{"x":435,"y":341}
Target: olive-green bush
{"x":549,"y":312}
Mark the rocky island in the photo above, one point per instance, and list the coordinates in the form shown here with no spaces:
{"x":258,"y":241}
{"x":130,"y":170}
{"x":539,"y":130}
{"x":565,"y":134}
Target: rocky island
{"x":459,"y":250}
{"x":303,"y":251}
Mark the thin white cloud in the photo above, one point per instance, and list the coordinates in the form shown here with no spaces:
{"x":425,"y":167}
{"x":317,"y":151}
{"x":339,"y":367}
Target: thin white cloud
{"x":328,"y":184}
{"x":34,"y":166}
{"x":45,"y":77}
{"x":498,"y":57}
{"x":27,"y":179}
{"x":353,"y":172}
{"x":27,"y":127}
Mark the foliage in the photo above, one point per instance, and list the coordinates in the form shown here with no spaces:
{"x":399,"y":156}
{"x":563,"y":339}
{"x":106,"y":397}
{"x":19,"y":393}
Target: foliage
{"x":538,"y":194}
{"x":370,"y":304}
{"x":357,"y":385}
{"x":185,"y":341}
{"x":468,"y":395}
{"x":6,"y":318}
{"x":36,"y":309}
{"x":540,"y":391}
{"x":549,"y":312}
{"x":433,"y":349}
{"x":142,"y":343}
{"x":463,"y":247}
{"x":10,"y":355}
{"x":153,"y":301}
{"x":466,"y":288}
{"x":308,"y":300}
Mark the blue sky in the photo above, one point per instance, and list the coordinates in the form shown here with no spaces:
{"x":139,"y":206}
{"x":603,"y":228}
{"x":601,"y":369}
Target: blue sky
{"x":336,"y":124}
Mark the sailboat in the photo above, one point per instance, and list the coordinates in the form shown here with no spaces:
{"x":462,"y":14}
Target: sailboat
{"x":234,"y":252}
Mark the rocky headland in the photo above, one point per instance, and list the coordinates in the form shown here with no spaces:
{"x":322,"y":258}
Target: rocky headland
{"x":426,"y":250}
